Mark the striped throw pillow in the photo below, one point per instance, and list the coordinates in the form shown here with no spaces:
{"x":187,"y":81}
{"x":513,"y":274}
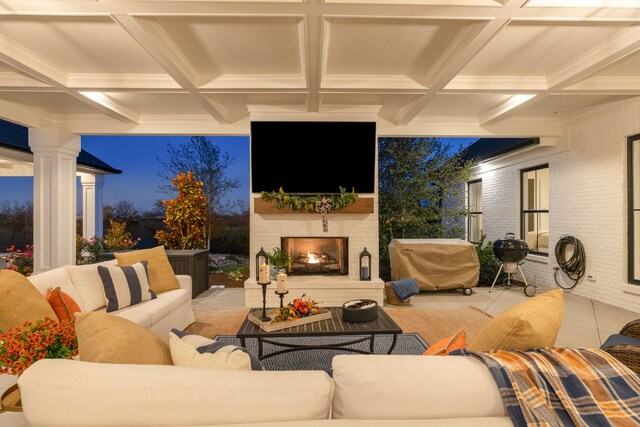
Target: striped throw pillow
{"x":125,"y":286}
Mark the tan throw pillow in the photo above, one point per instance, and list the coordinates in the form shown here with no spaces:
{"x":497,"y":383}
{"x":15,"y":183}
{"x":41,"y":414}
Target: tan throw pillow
{"x":106,"y":338}
{"x":86,"y":280}
{"x":20,"y":301}
{"x":530,"y":324}
{"x":161,"y":275}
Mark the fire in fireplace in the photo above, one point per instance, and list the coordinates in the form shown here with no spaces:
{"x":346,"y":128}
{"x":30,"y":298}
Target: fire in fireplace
{"x":317,"y":255}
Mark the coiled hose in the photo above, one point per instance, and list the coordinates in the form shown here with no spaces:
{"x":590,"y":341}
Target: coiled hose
{"x":574,"y":267}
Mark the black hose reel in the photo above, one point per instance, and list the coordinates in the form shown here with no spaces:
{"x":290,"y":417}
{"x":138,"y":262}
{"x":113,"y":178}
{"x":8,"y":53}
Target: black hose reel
{"x":574,"y":267}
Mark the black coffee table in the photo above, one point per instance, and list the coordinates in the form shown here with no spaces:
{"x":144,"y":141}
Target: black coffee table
{"x":330,"y":327}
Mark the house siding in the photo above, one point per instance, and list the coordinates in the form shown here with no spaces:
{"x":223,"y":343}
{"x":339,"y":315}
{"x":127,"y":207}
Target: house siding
{"x":588,"y":200}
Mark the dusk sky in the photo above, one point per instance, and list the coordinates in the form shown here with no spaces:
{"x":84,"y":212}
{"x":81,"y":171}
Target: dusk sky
{"x":137,"y":157}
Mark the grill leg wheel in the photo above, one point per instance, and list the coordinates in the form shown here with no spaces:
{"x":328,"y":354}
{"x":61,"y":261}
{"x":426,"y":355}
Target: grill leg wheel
{"x":530,"y":290}
{"x":467,"y":291}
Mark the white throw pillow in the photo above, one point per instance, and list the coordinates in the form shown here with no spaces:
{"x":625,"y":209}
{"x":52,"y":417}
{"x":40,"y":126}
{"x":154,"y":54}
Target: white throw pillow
{"x":87,"y":282}
{"x":125,"y":286}
{"x":212,"y":355}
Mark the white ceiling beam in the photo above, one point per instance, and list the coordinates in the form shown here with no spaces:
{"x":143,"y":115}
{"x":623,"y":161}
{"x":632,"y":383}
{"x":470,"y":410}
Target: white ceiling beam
{"x":121,"y":82}
{"x":495,"y":84}
{"x":23,"y":115}
{"x":605,"y":84}
{"x":459,"y":53}
{"x":314,"y":44}
{"x":511,"y":105}
{"x":606,"y":53}
{"x":110,"y":106}
{"x":152,"y":37}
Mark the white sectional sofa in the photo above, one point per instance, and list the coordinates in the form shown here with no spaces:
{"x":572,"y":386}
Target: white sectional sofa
{"x":171,"y":309}
{"x":364,"y":391}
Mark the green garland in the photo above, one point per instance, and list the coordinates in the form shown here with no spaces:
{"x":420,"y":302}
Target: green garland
{"x":310,"y":203}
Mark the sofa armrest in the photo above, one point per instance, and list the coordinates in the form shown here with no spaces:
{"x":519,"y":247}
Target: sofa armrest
{"x":184,"y":281}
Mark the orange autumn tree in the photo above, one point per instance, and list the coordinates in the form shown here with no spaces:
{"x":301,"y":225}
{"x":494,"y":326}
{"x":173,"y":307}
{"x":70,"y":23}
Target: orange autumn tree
{"x":185,"y":216}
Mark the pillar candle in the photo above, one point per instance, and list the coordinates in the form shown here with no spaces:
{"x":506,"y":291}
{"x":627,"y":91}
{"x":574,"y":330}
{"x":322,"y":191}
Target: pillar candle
{"x":282,"y":283}
{"x":263,"y":276}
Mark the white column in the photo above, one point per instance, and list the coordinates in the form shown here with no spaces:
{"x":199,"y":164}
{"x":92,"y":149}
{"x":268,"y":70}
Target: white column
{"x":92,"y":207}
{"x":54,"y":197}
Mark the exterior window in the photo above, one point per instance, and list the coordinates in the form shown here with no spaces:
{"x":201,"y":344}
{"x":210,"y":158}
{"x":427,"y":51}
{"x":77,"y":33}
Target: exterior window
{"x":633,"y":171}
{"x":474,"y":205}
{"x":535,"y":209}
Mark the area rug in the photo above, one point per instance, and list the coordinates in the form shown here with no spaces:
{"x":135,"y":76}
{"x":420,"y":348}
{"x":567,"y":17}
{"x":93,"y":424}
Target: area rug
{"x":433,"y":324}
{"x":320,"y":359}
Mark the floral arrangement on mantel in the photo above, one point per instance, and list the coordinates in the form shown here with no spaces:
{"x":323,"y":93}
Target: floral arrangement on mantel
{"x":300,"y":307}
{"x":43,"y":339}
{"x":317,"y":203}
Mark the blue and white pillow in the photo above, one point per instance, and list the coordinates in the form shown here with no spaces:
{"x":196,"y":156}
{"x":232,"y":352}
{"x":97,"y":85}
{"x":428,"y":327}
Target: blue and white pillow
{"x":125,"y":286}
{"x":197,"y":351}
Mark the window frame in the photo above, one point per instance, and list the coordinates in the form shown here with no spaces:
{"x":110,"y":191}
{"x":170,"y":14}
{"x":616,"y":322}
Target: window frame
{"x":630,"y":211}
{"x":469,"y":212}
{"x":523,"y":212}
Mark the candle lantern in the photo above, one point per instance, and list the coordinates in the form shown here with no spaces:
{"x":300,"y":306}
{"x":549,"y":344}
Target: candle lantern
{"x":365,"y":265}
{"x":261,"y":259}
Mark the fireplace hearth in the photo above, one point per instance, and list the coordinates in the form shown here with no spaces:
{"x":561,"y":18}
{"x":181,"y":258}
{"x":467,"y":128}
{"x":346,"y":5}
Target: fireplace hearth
{"x":317,"y":256}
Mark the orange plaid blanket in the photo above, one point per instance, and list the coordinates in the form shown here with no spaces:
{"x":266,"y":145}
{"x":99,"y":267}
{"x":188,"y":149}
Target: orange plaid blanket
{"x":565,"y":386}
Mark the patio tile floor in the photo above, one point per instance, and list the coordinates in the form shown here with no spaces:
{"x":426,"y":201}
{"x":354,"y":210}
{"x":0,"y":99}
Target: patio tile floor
{"x":587,"y":323}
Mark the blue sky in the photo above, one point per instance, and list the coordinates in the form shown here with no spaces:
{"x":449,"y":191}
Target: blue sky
{"x":137,"y":157}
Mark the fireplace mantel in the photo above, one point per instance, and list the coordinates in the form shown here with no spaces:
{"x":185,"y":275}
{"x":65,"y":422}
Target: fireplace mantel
{"x":364,"y":205}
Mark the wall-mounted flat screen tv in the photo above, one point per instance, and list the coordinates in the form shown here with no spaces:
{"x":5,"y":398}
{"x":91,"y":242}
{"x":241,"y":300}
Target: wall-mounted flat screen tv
{"x":313,"y":157}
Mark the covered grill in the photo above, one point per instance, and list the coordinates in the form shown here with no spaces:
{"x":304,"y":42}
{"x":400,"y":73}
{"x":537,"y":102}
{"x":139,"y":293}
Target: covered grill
{"x":511,"y":252}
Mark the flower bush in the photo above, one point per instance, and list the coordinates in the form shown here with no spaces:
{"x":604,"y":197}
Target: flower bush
{"x":43,"y":339}
{"x":20,"y":260}
{"x":117,"y":238}
{"x":88,"y":251}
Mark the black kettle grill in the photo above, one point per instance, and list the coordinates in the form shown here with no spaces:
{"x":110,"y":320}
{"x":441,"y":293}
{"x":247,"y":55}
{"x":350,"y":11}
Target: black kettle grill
{"x":511,"y":252}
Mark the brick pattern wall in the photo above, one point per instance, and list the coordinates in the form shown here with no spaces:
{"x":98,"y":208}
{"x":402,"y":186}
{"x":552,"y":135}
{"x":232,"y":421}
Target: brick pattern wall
{"x":361,"y":229}
{"x":588,"y":200}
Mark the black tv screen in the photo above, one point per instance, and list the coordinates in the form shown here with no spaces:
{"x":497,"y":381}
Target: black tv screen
{"x":313,"y":157}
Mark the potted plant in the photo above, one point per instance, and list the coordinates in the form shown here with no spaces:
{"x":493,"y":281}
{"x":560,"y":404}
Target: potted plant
{"x":280,"y":261}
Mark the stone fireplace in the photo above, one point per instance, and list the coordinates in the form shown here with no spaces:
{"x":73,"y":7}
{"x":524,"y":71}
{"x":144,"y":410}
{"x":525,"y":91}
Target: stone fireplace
{"x":324,"y":256}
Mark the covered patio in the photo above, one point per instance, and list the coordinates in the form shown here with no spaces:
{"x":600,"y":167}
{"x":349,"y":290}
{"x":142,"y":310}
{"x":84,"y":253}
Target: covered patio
{"x":514,"y":68}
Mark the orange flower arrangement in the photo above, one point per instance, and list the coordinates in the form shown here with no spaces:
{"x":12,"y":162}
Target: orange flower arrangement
{"x":44,"y":339}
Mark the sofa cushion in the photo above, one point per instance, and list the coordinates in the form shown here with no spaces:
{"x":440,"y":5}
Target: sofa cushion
{"x":80,"y":394}
{"x":530,"y":324}
{"x":62,"y":304}
{"x":106,"y":338}
{"x":161,"y":275}
{"x":136,"y":316}
{"x":125,"y":286}
{"x":445,"y":346}
{"x":199,"y":352}
{"x":87,"y":282}
{"x":20,"y":301}
{"x":413,"y":387}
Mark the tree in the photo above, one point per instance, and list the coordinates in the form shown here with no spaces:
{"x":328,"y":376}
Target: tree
{"x":208,"y":164}
{"x":416,"y":177}
{"x":125,"y":211}
{"x":186,"y":215}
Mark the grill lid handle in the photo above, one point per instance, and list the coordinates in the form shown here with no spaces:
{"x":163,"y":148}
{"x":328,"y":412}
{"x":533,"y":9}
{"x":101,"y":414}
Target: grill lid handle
{"x":510,"y":236}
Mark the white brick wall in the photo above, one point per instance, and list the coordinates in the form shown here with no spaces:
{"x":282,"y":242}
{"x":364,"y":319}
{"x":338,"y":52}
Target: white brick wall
{"x":361,"y":229}
{"x":588,"y":200}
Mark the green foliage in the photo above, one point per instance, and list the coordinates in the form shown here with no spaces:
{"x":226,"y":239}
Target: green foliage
{"x":489,"y":264}
{"x":185,"y":216}
{"x":117,"y":238}
{"x":279,"y":258}
{"x":208,"y":164}
{"x":420,"y":186}
{"x":238,"y":275}
{"x":88,"y":251}
{"x":311,"y":203}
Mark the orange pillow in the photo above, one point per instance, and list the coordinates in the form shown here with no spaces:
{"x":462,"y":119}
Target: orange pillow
{"x":62,"y":304}
{"x":443,"y":347}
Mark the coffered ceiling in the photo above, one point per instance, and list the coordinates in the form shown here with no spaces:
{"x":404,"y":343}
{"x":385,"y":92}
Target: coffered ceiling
{"x":432,"y":67}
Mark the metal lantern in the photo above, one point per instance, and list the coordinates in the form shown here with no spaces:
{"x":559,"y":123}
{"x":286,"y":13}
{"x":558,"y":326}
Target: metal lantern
{"x":261,"y":258}
{"x":365,"y":265}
